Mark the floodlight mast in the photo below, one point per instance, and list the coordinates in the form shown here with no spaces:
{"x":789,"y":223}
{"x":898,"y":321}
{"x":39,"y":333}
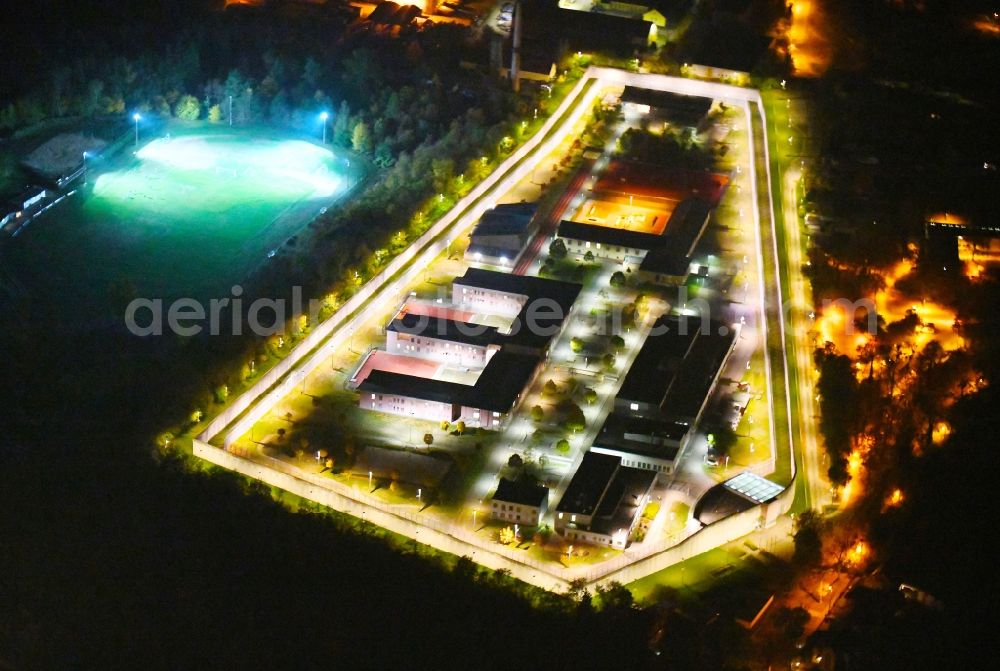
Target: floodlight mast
{"x":323,"y":117}
{"x":135,"y":118}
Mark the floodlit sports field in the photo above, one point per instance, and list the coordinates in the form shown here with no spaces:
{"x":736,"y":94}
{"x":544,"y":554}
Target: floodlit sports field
{"x":186,"y":216}
{"x":631,"y":214}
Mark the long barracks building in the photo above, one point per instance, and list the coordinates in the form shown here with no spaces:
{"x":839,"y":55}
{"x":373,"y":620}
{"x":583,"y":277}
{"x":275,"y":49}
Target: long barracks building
{"x":446,"y":367}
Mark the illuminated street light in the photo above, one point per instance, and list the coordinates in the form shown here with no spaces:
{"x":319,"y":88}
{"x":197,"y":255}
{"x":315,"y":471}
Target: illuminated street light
{"x":85,"y":168}
{"x":323,"y":116}
{"x":135,"y":118}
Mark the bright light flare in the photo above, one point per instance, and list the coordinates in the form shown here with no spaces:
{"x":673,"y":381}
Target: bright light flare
{"x":858,"y":553}
{"x":895,"y":498}
{"x":941,"y":432}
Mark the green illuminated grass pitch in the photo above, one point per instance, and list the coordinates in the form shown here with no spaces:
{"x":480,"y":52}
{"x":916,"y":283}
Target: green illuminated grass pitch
{"x":187,"y":215}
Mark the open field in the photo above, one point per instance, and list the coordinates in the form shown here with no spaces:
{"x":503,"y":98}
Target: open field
{"x":184,"y":216}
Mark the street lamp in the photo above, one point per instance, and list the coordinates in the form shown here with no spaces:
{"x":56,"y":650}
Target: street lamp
{"x":85,"y":168}
{"x":135,"y":118}
{"x":369,"y":480}
{"x":323,"y":116}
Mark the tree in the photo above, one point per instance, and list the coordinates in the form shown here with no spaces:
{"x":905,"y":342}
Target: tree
{"x":589,"y":256}
{"x":575,"y":419}
{"x":445,"y":425}
{"x":460,"y":427}
{"x":515,"y":461}
{"x":808,"y":542}
{"x":617,"y":279}
{"x":557,"y":249}
{"x":507,"y":536}
{"x":187,"y":108}
{"x":443,"y":169}
{"x":615,"y":597}
{"x":793,"y":621}
{"x":214,"y":114}
{"x":838,"y":390}
{"x":361,"y":139}
{"x":562,"y":445}
{"x":577,"y":588}
{"x":576,"y":344}
{"x":617,"y":343}
{"x":537,"y":413}
{"x":549,"y":388}
{"x":342,"y":125}
{"x":590,"y":396}
{"x":329,"y":463}
{"x":428,"y":439}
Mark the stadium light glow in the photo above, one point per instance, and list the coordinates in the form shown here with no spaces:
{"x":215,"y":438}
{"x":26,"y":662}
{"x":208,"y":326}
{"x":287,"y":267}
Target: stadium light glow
{"x":323,"y":116}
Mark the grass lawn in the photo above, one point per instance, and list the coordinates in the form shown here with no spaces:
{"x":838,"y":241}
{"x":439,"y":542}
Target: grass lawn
{"x":689,"y":578}
{"x":680,"y":512}
{"x":185,"y":216}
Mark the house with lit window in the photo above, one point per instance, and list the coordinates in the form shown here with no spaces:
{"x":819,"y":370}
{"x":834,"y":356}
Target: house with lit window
{"x":501,"y":234}
{"x":486,"y":402}
{"x":603,"y":502}
{"x":440,"y":339}
{"x":644,"y":443}
{"x":538,"y":308}
{"x":519,"y":501}
{"x":439,"y":365}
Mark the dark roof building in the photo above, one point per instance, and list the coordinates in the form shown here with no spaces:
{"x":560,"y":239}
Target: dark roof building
{"x":522,"y":492}
{"x":677,"y":108}
{"x":740,"y":492}
{"x":687,"y":224}
{"x":444,"y":329}
{"x":506,"y":219}
{"x":643,"y":437}
{"x":589,"y":483}
{"x":498,"y":387}
{"x":732,"y":47}
{"x":666,"y":262}
{"x":546,"y":307}
{"x":501,"y":234}
{"x":607,"y":235}
{"x":603,"y":501}
{"x":392,"y":14}
{"x":545,"y":21}
{"x":676,"y":369}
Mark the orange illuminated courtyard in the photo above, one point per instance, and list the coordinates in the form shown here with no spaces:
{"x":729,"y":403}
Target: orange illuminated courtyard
{"x":628,"y":213}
